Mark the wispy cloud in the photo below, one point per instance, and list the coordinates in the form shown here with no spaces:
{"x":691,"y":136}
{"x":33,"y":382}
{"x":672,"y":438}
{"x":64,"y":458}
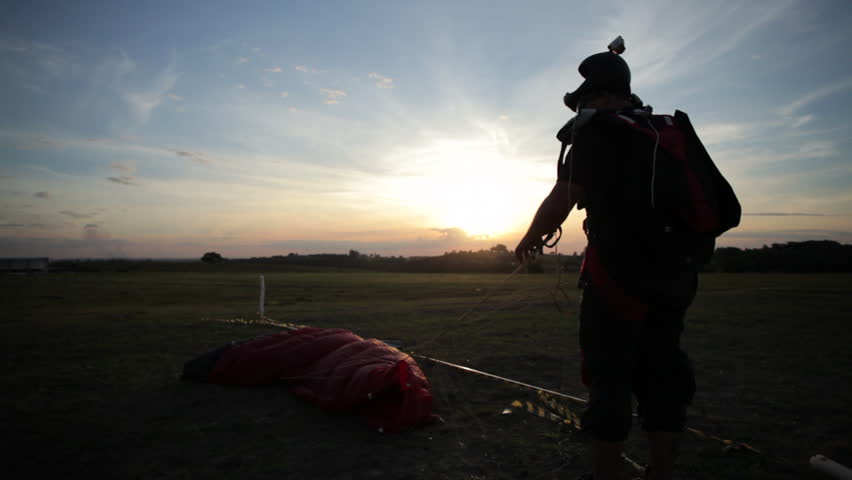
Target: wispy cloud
{"x":784,"y":214}
{"x":36,"y":62}
{"x":453,"y":233}
{"x":44,"y":195}
{"x":123,"y":167}
{"x":196,"y":157}
{"x":73,"y":214}
{"x":753,"y":238}
{"x":814,"y":149}
{"x":176,"y":98}
{"x":434,"y":241}
{"x":274,"y":70}
{"x":332,"y":96}
{"x":22,"y":46}
{"x":381,"y":80}
{"x":142,"y":101}
{"x":306,"y":69}
{"x":671,"y":39}
{"x":760,"y":162}
{"x":38,"y":142}
{"x":123,"y":180}
{"x":284,"y":94}
{"x":93,"y":232}
{"x":91,"y":246}
{"x":726,"y":133}
{"x":803,"y":120}
{"x":830,"y":89}
{"x":241,"y":60}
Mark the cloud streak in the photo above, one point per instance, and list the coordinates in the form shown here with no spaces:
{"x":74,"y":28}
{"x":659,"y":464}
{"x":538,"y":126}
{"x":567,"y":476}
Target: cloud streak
{"x":307,"y":69}
{"x":38,"y":142}
{"x":453,"y":233}
{"x":803,"y":120}
{"x":810,"y":97}
{"x":381,"y":80}
{"x":35,"y":64}
{"x":196,"y":157}
{"x":73,"y":214}
{"x":92,"y":247}
{"x":764,"y":237}
{"x":784,"y":214}
{"x":672,"y":39}
{"x":123,"y":167}
{"x":92,"y":232}
{"x":123,"y":180}
{"x":143,"y":101}
{"x":332,"y":97}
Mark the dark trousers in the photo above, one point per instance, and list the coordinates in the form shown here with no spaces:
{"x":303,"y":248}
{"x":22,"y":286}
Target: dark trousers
{"x":627,"y":354}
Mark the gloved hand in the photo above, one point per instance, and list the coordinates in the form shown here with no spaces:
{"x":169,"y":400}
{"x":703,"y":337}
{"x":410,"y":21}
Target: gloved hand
{"x":528,"y":246}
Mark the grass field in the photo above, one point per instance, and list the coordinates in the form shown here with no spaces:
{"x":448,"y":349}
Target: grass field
{"x":91,"y":362}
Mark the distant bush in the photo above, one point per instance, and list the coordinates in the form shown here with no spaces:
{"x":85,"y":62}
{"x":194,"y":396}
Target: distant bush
{"x":212,"y":257}
{"x":796,"y":257}
{"x":812,"y":256}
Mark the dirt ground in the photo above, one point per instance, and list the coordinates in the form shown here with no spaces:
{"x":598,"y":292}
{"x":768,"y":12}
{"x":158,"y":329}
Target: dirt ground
{"x":91,"y":389}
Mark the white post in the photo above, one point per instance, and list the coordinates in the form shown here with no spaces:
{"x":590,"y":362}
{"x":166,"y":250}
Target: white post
{"x":830,"y":467}
{"x":262,"y":297}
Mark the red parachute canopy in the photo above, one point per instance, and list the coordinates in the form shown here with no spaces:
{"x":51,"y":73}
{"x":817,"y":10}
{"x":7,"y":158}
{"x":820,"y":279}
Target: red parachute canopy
{"x":337,"y":370}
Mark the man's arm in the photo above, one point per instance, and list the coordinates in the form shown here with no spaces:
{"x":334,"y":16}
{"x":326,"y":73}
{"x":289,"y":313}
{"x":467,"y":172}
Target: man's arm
{"x":553,"y":211}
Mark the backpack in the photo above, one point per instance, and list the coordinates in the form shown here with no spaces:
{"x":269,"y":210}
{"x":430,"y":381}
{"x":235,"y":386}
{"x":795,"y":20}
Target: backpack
{"x":693,"y":200}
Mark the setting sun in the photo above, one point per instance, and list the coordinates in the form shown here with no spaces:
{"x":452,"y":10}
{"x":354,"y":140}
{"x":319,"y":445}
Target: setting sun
{"x":468,"y":185}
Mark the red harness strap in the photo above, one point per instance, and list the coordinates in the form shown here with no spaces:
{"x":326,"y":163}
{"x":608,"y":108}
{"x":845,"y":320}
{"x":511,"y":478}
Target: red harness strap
{"x":628,"y":306}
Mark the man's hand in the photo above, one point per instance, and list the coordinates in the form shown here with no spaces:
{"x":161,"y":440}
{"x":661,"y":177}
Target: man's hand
{"x":548,"y":219}
{"x":528,"y":246}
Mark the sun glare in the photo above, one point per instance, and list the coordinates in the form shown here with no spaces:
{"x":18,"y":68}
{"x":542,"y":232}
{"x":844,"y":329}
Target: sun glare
{"x":467,"y":185}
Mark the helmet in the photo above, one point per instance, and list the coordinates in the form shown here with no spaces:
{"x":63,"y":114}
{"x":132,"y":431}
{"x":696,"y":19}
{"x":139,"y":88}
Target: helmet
{"x":605,"y":71}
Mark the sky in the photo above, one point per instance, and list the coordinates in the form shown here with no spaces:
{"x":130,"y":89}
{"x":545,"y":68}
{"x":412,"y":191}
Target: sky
{"x":168,"y":129}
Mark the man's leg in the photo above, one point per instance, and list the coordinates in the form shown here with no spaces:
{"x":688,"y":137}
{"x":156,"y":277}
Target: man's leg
{"x":664,"y":380}
{"x":607,"y":343}
{"x":607,"y":459}
{"x":662,"y":448}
